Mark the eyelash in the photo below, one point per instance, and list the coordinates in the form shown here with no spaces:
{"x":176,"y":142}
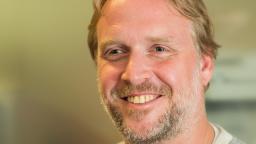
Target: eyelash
{"x":114,"y":53}
{"x":111,"y":51}
{"x":160,"y":51}
{"x":156,"y":48}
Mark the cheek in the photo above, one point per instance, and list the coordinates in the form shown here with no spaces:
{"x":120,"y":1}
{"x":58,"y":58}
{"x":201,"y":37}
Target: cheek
{"x":177,"y":73}
{"x":171,"y":74}
{"x":108,"y":76}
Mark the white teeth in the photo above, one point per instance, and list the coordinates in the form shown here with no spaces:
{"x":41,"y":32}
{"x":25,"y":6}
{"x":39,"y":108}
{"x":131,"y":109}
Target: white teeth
{"x":140,"y":99}
{"x":136,"y":99}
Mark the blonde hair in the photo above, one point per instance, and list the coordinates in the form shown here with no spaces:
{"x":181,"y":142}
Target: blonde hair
{"x":194,"y":10}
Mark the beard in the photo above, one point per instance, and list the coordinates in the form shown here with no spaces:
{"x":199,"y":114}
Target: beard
{"x":168,"y":125}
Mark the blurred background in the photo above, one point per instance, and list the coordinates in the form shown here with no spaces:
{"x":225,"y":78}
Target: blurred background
{"x":48,"y":92}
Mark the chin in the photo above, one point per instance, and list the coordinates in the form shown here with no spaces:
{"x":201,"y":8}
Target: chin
{"x":141,"y":128}
{"x":147,"y":126}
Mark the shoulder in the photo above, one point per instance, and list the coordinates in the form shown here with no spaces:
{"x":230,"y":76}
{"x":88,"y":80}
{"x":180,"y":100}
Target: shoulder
{"x":224,"y":137}
{"x":236,"y":141}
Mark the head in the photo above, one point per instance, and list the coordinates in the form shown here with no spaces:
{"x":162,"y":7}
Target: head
{"x":154,"y":60}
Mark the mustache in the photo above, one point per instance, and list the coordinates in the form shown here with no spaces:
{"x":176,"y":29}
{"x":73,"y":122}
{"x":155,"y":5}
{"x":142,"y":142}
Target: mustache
{"x":145,"y":87}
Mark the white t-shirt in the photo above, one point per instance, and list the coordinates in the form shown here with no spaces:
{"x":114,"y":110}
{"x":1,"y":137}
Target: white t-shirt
{"x":223,"y":137}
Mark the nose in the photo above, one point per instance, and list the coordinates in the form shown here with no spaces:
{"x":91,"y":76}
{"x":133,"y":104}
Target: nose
{"x":137,"y":70}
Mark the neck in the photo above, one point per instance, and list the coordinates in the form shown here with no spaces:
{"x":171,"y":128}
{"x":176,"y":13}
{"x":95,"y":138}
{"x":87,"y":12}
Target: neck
{"x":200,"y":132}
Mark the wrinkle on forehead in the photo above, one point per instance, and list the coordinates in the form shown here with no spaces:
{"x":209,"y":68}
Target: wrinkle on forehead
{"x":123,"y":19}
{"x":132,"y":9}
{"x":126,"y":13}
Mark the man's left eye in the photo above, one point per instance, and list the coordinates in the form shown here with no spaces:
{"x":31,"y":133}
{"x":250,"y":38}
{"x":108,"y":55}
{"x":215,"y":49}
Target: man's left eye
{"x":160,"y":49}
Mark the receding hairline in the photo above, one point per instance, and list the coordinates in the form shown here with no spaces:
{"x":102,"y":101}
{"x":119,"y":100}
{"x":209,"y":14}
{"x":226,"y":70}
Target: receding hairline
{"x":195,"y":11}
{"x":172,"y":10}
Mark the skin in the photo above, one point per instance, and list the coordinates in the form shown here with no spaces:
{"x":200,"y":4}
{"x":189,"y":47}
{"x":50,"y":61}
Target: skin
{"x":148,"y":42}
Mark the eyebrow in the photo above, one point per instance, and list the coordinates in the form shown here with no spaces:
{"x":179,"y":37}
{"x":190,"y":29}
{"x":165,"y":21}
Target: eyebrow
{"x":160,"y":39}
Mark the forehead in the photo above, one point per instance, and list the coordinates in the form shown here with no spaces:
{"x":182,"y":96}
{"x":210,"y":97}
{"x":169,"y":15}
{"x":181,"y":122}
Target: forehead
{"x":136,"y":19}
{"x":118,"y":10}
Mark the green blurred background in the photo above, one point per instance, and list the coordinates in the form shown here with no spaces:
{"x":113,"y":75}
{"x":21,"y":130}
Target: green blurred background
{"x":48,"y":92}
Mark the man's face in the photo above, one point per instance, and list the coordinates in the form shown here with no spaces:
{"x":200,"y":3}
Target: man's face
{"x":150,"y":74}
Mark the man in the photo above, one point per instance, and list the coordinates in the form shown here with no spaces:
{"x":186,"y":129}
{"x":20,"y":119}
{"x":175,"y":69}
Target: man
{"x":155,"y":59}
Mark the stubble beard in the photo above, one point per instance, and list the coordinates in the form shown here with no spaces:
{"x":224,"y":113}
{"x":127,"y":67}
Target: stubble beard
{"x":168,"y":126}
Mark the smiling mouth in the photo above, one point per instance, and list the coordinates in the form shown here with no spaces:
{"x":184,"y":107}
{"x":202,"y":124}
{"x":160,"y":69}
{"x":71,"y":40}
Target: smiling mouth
{"x":141,"y":99}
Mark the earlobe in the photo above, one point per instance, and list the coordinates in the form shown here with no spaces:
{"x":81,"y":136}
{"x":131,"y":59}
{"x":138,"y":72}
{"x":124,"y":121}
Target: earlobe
{"x":206,"y":68}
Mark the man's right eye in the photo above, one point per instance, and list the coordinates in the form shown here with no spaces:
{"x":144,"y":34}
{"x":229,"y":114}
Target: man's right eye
{"x":115,"y":54}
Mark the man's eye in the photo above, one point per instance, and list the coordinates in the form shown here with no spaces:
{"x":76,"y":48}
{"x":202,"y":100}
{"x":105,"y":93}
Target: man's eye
{"x":114,"y":54}
{"x":160,"y":49}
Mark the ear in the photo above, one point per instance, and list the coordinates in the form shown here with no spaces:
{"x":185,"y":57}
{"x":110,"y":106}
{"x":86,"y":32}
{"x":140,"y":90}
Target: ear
{"x":206,"y":69}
